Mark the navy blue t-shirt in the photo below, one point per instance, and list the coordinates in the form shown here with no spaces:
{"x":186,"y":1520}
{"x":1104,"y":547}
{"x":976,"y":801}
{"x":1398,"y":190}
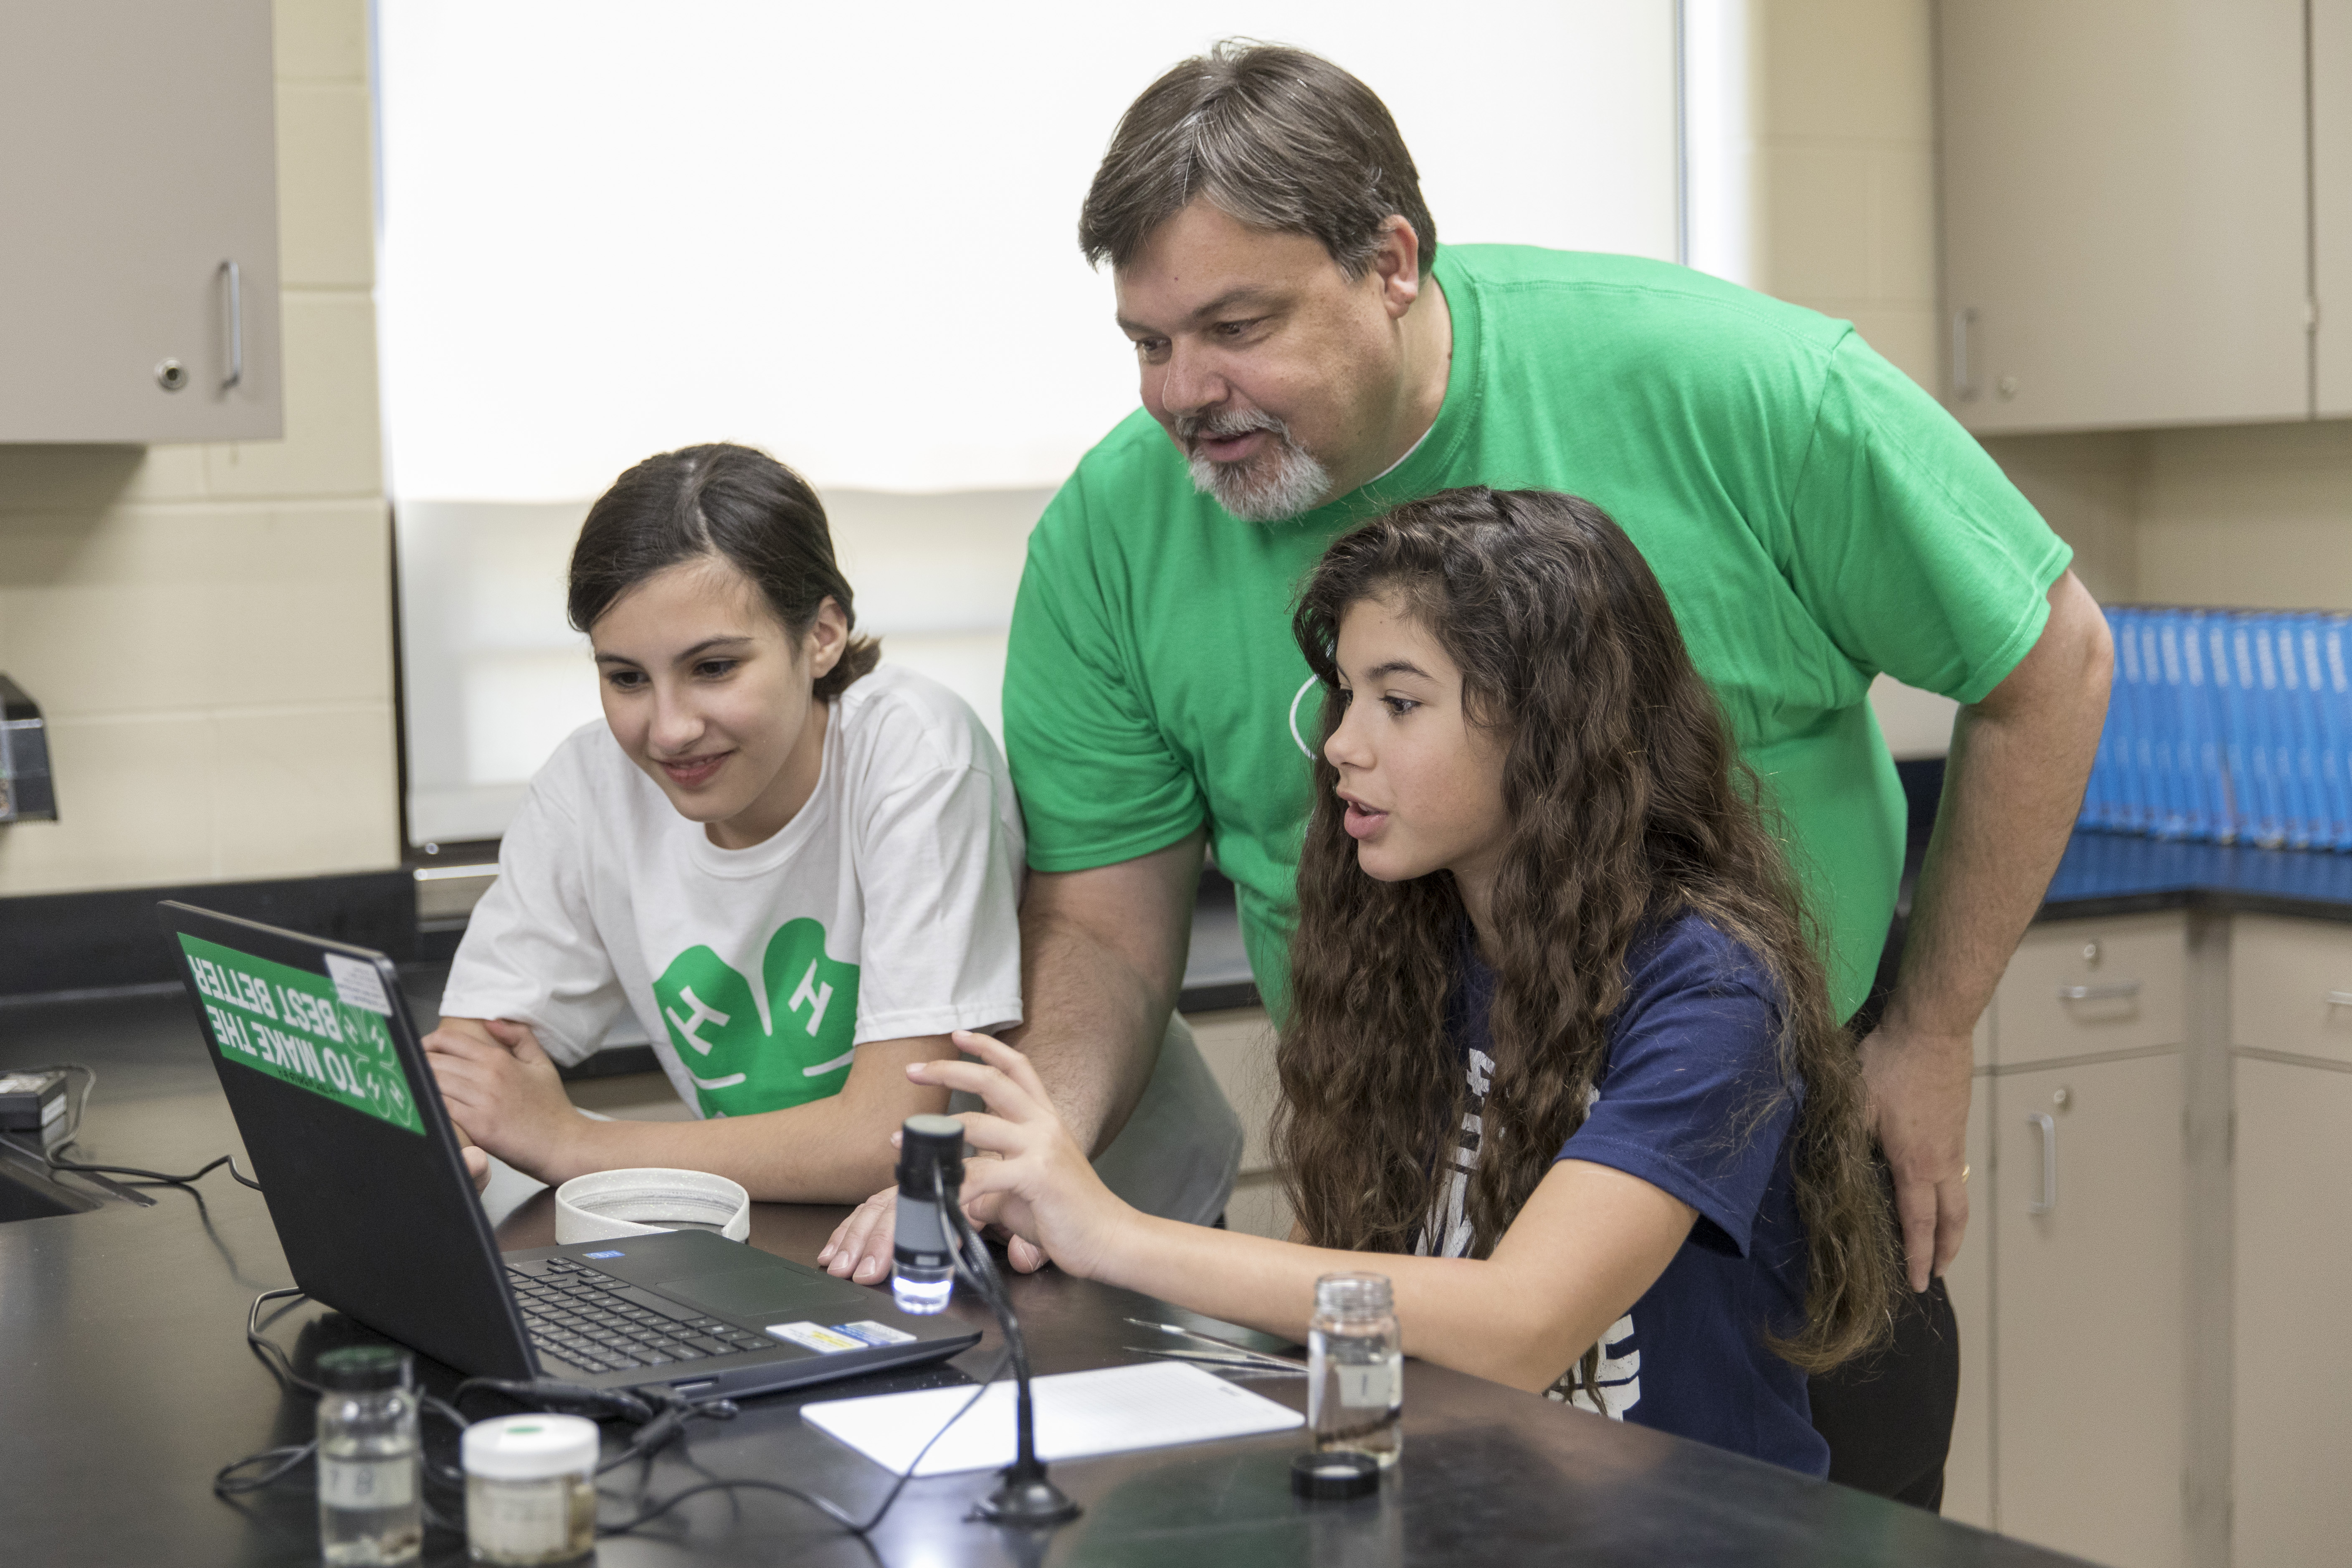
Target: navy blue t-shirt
{"x":1691,"y":1057}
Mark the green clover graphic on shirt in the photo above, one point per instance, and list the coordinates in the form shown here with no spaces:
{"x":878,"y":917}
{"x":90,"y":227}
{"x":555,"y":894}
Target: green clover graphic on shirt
{"x":784,"y":1044}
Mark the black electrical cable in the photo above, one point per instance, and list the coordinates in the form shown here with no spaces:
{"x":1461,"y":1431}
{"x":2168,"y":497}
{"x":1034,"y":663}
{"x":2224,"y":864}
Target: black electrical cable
{"x":158,"y":1176}
{"x":283,"y":1461}
{"x":73,"y":1132}
{"x":859,"y":1528}
{"x":659,"y":1414}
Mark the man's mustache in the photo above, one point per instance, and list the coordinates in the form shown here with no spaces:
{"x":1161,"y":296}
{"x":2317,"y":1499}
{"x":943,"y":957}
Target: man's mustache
{"x":1192,"y":426}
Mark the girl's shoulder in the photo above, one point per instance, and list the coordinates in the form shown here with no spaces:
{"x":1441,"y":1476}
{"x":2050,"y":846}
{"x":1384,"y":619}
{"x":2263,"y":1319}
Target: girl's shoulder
{"x":1687,"y":952}
{"x":898,"y":724}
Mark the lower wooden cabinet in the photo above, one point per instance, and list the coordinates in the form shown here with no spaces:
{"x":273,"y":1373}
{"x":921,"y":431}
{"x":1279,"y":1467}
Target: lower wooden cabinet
{"x":2089,"y":1340}
{"x":2292,"y":1416}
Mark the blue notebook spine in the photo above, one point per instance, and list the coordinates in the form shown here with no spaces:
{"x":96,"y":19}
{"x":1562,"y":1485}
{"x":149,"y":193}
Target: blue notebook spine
{"x":2175,"y":772}
{"x":2245,"y":805}
{"x":2155,"y":743}
{"x":2335,"y":766}
{"x":2204,"y":799}
{"x":2131,"y":768}
{"x":2213,"y":639}
{"x":2302,"y":658}
{"x":2287,"y":715}
{"x":2270,"y":784}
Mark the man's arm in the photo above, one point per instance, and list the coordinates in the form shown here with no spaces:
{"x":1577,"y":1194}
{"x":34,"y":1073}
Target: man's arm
{"x":1102,"y":959}
{"x":2013,"y":786}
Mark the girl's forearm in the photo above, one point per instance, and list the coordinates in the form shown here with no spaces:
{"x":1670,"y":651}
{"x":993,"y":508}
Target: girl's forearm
{"x":817,"y":1152}
{"x":1588,"y":1242}
{"x":831,"y":1151}
{"x":1462,"y":1313}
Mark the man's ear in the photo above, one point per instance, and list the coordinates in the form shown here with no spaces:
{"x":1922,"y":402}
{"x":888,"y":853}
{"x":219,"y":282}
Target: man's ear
{"x":1396,"y":264}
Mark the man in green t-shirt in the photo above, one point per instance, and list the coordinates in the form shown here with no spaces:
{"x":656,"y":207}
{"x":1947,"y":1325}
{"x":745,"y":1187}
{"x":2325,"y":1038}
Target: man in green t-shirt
{"x":1308,"y":357}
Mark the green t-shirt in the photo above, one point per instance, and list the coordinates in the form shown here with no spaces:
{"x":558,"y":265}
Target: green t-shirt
{"x":1814,"y":517}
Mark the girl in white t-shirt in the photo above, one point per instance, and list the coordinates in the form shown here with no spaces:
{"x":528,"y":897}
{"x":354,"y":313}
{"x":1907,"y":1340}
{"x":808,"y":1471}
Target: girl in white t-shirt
{"x":798,"y":870}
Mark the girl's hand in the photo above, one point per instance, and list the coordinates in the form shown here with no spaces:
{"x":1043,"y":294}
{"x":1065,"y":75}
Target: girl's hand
{"x":503,"y":1092}
{"x":1044,"y":1187}
{"x":862,"y":1245}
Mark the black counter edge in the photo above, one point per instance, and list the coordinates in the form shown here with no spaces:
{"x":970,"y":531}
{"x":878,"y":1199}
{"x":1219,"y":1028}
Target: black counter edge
{"x":109,"y":939}
{"x":2207,"y":900}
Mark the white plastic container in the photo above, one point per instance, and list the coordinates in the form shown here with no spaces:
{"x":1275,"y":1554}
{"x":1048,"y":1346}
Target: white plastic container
{"x":530,"y":1489}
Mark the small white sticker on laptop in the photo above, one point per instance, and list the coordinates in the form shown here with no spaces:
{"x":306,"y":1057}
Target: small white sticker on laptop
{"x":816,"y":1339}
{"x":358,"y":984}
{"x":874,"y":1334}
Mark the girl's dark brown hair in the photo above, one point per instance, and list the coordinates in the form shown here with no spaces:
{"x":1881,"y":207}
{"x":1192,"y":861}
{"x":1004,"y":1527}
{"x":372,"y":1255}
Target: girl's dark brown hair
{"x":1628,"y":807}
{"x":733,"y":503}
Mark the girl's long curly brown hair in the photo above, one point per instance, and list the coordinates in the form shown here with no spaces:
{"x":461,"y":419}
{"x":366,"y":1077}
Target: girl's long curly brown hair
{"x":1628,"y":807}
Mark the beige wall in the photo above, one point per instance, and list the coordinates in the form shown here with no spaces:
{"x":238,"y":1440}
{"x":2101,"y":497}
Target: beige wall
{"x":2255,"y":516}
{"x":208,"y":628}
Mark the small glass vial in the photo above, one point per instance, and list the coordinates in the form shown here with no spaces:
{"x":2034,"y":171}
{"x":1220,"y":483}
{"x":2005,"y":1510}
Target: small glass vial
{"x":530,"y":1489}
{"x":367,"y":1458}
{"x":1355,"y":1362}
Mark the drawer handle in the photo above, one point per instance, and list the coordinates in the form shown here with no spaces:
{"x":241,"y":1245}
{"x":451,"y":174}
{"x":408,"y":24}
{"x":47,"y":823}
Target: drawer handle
{"x":2048,"y":1126}
{"x":2339,"y":998}
{"x":2119,"y":989}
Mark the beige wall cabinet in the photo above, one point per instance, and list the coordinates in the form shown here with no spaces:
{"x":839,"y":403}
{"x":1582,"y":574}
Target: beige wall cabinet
{"x":2291,"y":1211}
{"x":2069,"y":1286}
{"x":2125,"y":235}
{"x":2292,"y":1405}
{"x":2331,"y":212}
{"x":137,"y":177}
{"x":2087,"y":1311}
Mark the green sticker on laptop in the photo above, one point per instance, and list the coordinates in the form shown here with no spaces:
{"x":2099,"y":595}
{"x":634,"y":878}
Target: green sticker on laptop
{"x":328,"y":1036}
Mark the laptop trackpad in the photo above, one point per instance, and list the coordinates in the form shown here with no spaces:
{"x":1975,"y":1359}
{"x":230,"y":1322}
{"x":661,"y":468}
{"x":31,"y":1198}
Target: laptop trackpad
{"x":765,"y":1294}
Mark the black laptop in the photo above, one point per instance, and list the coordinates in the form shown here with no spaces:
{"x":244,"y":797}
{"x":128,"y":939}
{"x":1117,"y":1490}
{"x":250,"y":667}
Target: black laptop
{"x":360,"y":1165}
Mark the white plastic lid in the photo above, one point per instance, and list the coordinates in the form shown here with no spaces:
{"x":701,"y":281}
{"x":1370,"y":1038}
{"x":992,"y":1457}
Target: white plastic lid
{"x":531,"y":1447}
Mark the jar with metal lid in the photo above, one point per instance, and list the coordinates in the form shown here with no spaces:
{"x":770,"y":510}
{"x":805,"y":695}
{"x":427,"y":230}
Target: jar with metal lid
{"x":1355,"y":1377}
{"x":367,"y":1458}
{"x":530,"y":1489}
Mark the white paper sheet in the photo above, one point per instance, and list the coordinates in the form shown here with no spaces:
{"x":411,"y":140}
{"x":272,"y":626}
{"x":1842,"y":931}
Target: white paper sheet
{"x":1079,"y":1415}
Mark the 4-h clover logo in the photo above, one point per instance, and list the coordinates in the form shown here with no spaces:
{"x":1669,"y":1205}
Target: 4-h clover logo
{"x":785,"y":1043}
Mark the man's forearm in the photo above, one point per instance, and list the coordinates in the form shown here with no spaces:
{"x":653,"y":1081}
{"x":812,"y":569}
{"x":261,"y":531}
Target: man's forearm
{"x":1095,"y":1026}
{"x":2013,"y":787}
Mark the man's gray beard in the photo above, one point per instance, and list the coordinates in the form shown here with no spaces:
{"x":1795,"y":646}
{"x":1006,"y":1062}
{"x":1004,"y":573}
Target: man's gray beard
{"x":1281,"y":483}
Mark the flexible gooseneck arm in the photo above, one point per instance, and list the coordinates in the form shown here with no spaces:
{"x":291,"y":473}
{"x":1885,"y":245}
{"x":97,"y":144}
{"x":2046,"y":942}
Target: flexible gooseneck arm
{"x":1026,"y":1496}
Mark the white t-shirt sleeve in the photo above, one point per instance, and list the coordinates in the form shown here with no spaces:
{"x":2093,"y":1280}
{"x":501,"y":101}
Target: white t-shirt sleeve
{"x":939,"y":865}
{"x":530,"y":952}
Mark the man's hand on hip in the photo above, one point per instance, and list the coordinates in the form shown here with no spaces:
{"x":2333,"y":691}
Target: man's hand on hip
{"x":1918,"y":1088}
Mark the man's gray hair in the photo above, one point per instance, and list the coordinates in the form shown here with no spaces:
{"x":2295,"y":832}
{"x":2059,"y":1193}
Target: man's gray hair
{"x":1275,"y":138}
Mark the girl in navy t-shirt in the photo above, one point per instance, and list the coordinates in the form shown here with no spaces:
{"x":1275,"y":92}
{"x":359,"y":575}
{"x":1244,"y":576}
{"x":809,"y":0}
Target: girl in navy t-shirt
{"x":1558,"y":1056}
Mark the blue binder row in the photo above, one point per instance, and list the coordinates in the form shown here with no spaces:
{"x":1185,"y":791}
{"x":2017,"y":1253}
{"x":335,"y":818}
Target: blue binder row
{"x":2228,"y":727}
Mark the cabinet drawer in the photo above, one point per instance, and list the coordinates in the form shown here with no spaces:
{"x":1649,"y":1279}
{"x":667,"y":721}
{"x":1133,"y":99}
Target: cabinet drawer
{"x":2291,"y":986}
{"x":2076,"y":987}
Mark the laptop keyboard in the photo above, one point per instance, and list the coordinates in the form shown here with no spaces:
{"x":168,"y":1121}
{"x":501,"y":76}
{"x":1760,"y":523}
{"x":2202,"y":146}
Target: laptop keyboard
{"x":593,"y":1320}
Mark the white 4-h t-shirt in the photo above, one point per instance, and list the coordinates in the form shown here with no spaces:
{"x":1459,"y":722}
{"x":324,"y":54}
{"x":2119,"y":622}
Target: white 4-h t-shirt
{"x":885,"y":909}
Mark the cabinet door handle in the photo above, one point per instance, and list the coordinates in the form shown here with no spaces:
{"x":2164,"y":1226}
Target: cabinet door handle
{"x":236,"y":326}
{"x":2048,"y":1125}
{"x":2117,"y":990}
{"x":1962,"y":320}
{"x":2339,"y":998}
